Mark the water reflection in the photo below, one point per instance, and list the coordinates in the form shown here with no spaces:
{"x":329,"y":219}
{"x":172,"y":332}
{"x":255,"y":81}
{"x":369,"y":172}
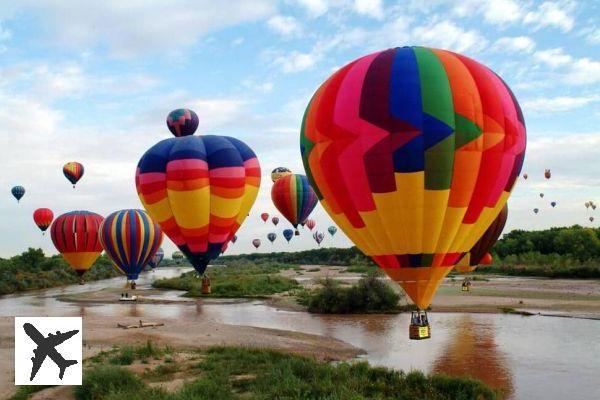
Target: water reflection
{"x":473,"y":352}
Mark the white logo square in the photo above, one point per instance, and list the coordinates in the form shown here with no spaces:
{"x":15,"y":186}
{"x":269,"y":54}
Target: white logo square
{"x":48,"y":350}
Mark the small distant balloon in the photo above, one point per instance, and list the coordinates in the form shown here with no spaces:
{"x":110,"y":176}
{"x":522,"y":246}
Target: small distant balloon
{"x":234,"y":239}
{"x":264,"y":217}
{"x":536,"y":210}
{"x":593,"y":206}
{"x":288,"y":234}
{"x":73,"y":171}
{"x":553,"y":204}
{"x":256,"y":243}
{"x":591,"y":219}
{"x":587,"y":204}
{"x":279,"y":172}
{"x":182,"y":122}
{"x":43,"y":217}
{"x":318,"y":236}
{"x":272,"y":236}
{"x":547,"y":174}
{"x":332,"y":230}
{"x":542,"y":195}
{"x":310,"y":224}
{"x":525,"y":176}
{"x":275,"y":220}
{"x":18,"y":192}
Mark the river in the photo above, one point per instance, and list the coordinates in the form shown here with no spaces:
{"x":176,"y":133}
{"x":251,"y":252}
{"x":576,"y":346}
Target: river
{"x":524,"y":357}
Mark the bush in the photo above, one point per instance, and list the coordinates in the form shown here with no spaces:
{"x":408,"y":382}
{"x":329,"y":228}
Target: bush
{"x":100,"y":381}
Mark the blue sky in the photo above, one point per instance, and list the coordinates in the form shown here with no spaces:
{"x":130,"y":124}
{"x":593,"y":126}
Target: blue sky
{"x":94,"y":83}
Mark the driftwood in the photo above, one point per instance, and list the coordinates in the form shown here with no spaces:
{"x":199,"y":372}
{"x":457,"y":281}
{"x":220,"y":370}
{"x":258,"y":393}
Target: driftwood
{"x":140,"y":325}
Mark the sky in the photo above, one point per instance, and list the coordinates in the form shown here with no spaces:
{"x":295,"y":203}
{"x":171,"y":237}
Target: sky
{"x":94,"y":81}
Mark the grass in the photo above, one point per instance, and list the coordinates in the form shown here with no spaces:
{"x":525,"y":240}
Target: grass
{"x":25,"y":392}
{"x":234,"y":281}
{"x":547,"y":271}
{"x":241,"y":373}
{"x":369,"y":295}
{"x":520,"y":294}
{"x":127,"y":355}
{"x":364,"y":269}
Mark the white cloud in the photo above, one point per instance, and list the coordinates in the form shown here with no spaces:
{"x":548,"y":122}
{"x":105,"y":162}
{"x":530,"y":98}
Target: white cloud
{"x":285,"y":25}
{"x":315,"y":8}
{"x":593,"y":35}
{"x":371,"y":8}
{"x":558,"y":104}
{"x":551,"y":14}
{"x":5,"y":34}
{"x":296,"y":61}
{"x":447,"y":35}
{"x":500,"y":12}
{"x":237,"y":41}
{"x":514,"y":44}
{"x":553,"y":57}
{"x":583,"y":71}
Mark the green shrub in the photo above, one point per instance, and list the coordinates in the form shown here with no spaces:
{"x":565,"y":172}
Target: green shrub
{"x":101,"y":381}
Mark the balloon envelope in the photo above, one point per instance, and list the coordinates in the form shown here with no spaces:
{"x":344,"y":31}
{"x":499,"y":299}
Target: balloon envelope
{"x":199,"y":189}
{"x":271,"y":236}
{"x":18,"y":192}
{"x":73,"y":171}
{"x":275,"y":220}
{"x":182,"y":122}
{"x":43,"y":218}
{"x":294,"y":198}
{"x":310,"y":224}
{"x":332,"y":230}
{"x":264,"y":217}
{"x":157,"y":258}
{"x":279,"y":172}
{"x":413,"y":152}
{"x":288,"y":234}
{"x":256,"y":243}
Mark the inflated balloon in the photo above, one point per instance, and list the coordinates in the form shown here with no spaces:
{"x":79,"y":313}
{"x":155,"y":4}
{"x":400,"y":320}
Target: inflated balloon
{"x":182,"y":122}
{"x":200,"y":190}
{"x":275,"y":220}
{"x":18,"y":192}
{"x":272,"y":236}
{"x":256,"y":243}
{"x":474,"y":257}
{"x":264,"y":217}
{"x":318,"y":236}
{"x":43,"y":218}
{"x":591,"y":219}
{"x":75,"y":236}
{"x":593,"y":206}
{"x":553,"y":204}
{"x":547,"y":174}
{"x":587,"y":204}
{"x":294,"y":198}
{"x":542,"y":195}
{"x":332,"y":230}
{"x":177,"y":255}
{"x":487,"y":259}
{"x":288,"y":234}
{"x":234,"y":239}
{"x":130,"y":239}
{"x":157,"y":258}
{"x":536,"y":210}
{"x":413,"y":152}
{"x":280,"y":172}
{"x":525,"y":176}
{"x":310,"y":224}
{"x":73,"y":171}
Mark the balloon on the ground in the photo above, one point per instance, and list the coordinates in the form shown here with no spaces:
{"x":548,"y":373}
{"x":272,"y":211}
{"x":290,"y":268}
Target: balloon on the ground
{"x":279,"y":172}
{"x":157,"y":258}
{"x":43,"y":218}
{"x":413,"y":152}
{"x":18,"y":192}
{"x":272,"y":236}
{"x":310,"y":224}
{"x":474,"y":257}
{"x":318,"y":236}
{"x":547,"y":174}
{"x":288,"y":234}
{"x":294,"y":198}
{"x":264,"y":217}
{"x":200,"y":190}
{"x":75,"y":236}
{"x":256,"y":243}
{"x":130,"y":239}
{"x":332,"y":230}
{"x":182,"y":122}
{"x":275,"y":220}
{"x":73,"y":171}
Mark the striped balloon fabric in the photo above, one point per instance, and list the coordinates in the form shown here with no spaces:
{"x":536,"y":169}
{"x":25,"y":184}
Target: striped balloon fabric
{"x":75,"y":236}
{"x":200,"y":190}
{"x":294,"y":198}
{"x":130,"y":239}
{"x":73,"y":171}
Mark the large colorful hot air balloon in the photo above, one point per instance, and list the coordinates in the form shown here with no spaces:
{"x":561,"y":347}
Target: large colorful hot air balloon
{"x":182,"y":122}
{"x":43,"y":218}
{"x":130,"y":239}
{"x":310,"y":224}
{"x":318,"y":236}
{"x":200,"y":190}
{"x":288,"y":234}
{"x":280,"y":172}
{"x":157,"y":258}
{"x":272,"y":236}
{"x":264,"y":216}
{"x":73,"y":171}
{"x":75,"y":236}
{"x":474,"y":257}
{"x":294,"y":198}
{"x":18,"y":192}
{"x":332,"y":230}
{"x":275,"y":220}
{"x":413,"y":152}
{"x":256,"y":243}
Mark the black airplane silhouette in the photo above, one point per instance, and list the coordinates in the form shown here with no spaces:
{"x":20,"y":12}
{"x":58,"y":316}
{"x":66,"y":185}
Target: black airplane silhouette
{"x":46,"y":347}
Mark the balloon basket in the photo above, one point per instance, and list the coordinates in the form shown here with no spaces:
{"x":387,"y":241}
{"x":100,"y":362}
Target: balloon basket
{"x":206,"y":289}
{"x":419,"y":328}
{"x":297,"y":233}
{"x":465,"y":288}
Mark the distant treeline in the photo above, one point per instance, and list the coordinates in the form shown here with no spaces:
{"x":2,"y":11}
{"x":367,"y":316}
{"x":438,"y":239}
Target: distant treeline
{"x":321,"y":256}
{"x":33,"y":270}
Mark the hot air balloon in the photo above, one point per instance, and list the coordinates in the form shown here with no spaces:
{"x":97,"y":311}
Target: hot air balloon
{"x":18,"y":192}
{"x":553,"y":204}
{"x":43,"y":218}
{"x":332,"y":230}
{"x":475,"y":256}
{"x":279,"y":172}
{"x":587,"y":204}
{"x":157,"y":258}
{"x":525,"y":176}
{"x":288,"y":234}
{"x":536,"y":210}
{"x":256,"y":243}
{"x":200,"y":190}
{"x":413,"y":152}
{"x":272,"y":236}
{"x":593,"y":206}
{"x":547,"y":174}
{"x":591,"y":219}
{"x":130,"y":239}
{"x":177,"y":255}
{"x":182,"y":122}
{"x":73,"y":171}
{"x":310,"y":224}
{"x":234,"y":239}
{"x":318,"y":236}
{"x":542,"y":195}
{"x":294,"y":198}
{"x":264,"y":217}
{"x":275,"y":220}
{"x":75,"y":236}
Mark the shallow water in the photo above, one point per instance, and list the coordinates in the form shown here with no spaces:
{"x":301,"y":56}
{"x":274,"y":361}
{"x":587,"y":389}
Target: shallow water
{"x":525,"y":357}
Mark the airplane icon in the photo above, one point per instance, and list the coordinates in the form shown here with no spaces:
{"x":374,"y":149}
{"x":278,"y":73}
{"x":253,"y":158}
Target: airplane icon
{"x":46,"y":347}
